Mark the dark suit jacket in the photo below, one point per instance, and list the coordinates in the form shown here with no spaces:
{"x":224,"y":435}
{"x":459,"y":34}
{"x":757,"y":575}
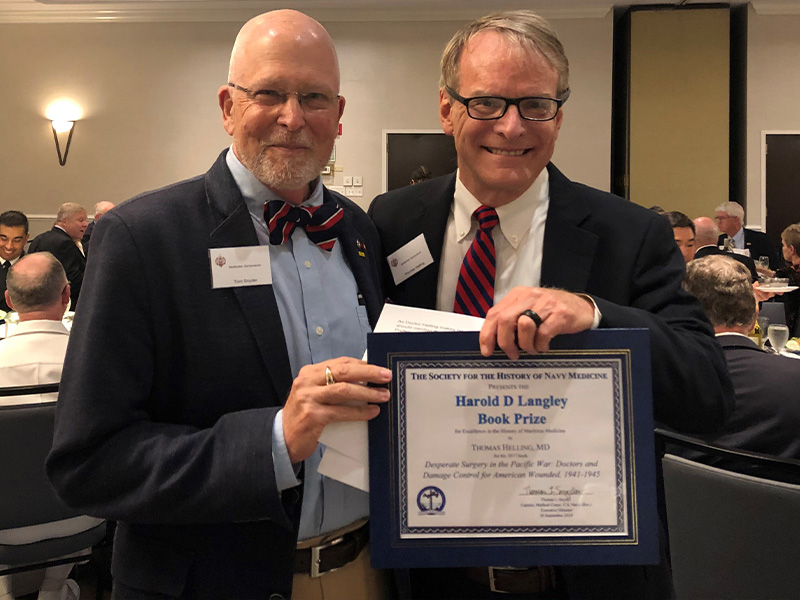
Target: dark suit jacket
{"x":625,"y":257}
{"x":57,"y":242}
{"x":3,"y":304}
{"x":746,"y":261}
{"x":87,"y":237}
{"x":759,"y":245}
{"x":767,"y":414}
{"x":170,"y":389}
{"x":604,"y":246}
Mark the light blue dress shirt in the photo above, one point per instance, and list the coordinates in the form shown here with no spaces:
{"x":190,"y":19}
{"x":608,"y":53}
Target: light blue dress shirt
{"x":317,"y":298}
{"x":738,"y":240}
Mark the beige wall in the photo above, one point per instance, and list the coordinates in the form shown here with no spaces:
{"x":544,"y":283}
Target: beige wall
{"x":149,"y":93}
{"x":679,"y":116}
{"x":151,"y":116}
{"x":773,"y":94}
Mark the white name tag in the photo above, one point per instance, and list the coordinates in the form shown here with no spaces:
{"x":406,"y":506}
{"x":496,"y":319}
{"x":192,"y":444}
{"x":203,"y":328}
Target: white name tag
{"x":240,"y":266}
{"x":409,"y":259}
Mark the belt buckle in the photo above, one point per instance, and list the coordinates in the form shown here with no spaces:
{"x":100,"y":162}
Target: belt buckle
{"x":492,"y":585}
{"x":315,"y":558}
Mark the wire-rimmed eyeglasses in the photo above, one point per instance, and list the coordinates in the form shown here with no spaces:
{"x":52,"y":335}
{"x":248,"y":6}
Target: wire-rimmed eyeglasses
{"x":309,"y":101}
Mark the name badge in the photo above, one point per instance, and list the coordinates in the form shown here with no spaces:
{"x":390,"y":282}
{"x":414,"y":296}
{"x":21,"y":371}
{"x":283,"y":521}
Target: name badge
{"x":409,"y":259}
{"x":240,"y":266}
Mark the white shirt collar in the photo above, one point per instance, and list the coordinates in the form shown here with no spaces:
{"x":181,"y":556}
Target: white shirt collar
{"x":726,"y":333}
{"x":515,"y":217}
{"x":39,"y":326}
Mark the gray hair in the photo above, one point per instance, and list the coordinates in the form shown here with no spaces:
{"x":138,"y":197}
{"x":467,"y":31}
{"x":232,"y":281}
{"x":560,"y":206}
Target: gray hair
{"x":36,"y":289}
{"x":68,"y":209}
{"x":523,"y":27}
{"x":791,"y":236}
{"x":724,"y":288}
{"x":734,"y":209}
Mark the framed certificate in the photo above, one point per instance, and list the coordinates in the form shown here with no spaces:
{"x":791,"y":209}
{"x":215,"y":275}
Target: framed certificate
{"x":545,"y":460}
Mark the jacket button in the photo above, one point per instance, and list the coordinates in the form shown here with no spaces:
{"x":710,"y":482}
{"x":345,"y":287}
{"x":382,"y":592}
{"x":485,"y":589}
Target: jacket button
{"x":276,"y":597}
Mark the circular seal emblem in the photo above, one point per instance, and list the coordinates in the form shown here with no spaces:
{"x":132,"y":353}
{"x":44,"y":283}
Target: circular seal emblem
{"x":220,"y":261}
{"x":431,"y":500}
{"x":394,"y":262}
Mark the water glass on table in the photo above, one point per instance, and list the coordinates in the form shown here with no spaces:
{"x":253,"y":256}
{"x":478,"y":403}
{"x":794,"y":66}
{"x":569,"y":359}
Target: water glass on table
{"x":778,"y":336}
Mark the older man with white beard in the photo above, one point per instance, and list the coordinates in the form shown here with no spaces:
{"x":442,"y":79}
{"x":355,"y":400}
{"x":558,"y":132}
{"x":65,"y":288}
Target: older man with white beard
{"x":220,"y":333}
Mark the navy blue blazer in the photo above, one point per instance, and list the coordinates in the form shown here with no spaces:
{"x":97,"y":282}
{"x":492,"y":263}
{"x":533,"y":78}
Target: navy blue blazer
{"x":3,"y":273}
{"x":748,"y":262}
{"x":611,"y":249}
{"x":767,"y":414}
{"x":169,"y":392}
{"x":625,"y":257}
{"x":759,"y":245}
{"x":58,"y":242}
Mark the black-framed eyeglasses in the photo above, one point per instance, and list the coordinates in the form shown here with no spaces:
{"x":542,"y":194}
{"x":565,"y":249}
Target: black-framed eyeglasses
{"x":531,"y":108}
{"x":309,"y":101}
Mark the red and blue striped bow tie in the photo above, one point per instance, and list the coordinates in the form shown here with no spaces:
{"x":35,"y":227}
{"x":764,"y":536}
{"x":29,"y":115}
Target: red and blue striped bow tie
{"x":321,"y":223}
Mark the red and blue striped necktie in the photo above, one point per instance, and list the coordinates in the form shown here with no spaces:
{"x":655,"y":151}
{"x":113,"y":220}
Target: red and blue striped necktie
{"x":322,"y":223}
{"x":475,"y":289}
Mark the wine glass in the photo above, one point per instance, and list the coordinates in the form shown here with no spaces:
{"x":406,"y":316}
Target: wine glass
{"x":778,"y":336}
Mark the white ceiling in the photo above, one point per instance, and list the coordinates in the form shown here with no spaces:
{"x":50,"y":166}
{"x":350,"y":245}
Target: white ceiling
{"x":48,"y":11}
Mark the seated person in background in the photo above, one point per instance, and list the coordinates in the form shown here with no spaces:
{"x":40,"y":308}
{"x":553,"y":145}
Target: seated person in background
{"x":730,"y":218}
{"x":766,"y":417}
{"x":790,"y":238}
{"x":63,"y":242}
{"x":34,"y":353}
{"x":13,"y":237}
{"x":683,"y":230}
{"x":420,"y":174}
{"x":706,"y":234}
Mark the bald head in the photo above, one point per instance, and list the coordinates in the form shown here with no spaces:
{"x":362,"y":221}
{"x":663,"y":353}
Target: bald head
{"x":706,"y":232}
{"x":281,"y":103}
{"x":279,"y":30}
{"x":37,"y":287}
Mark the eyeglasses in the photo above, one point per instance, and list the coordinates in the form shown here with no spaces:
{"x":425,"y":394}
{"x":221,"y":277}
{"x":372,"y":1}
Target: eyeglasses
{"x":532,"y":108}
{"x":310,"y":101}
{"x":722,"y":218}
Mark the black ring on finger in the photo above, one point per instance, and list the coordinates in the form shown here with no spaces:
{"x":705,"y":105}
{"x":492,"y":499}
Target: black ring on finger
{"x":533,"y":316}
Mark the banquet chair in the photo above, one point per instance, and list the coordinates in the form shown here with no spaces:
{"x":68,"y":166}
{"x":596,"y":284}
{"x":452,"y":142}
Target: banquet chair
{"x":731,"y":534}
{"x":26,"y":498}
{"x":774,"y":311}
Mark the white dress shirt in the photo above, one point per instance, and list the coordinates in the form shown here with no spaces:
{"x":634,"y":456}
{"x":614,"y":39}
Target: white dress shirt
{"x":518,"y":240}
{"x":33,"y":354}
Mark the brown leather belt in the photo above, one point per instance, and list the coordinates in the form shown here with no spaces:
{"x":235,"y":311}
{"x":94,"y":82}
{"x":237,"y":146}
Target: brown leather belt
{"x":333,"y":554}
{"x":514,"y":580}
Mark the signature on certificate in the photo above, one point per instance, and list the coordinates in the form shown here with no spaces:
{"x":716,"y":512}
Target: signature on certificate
{"x":553,"y":490}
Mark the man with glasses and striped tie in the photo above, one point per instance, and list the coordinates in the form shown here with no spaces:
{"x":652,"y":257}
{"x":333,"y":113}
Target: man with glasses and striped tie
{"x":513,"y":240}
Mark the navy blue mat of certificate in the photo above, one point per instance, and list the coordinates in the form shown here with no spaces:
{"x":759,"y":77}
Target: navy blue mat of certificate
{"x":632,"y":540}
